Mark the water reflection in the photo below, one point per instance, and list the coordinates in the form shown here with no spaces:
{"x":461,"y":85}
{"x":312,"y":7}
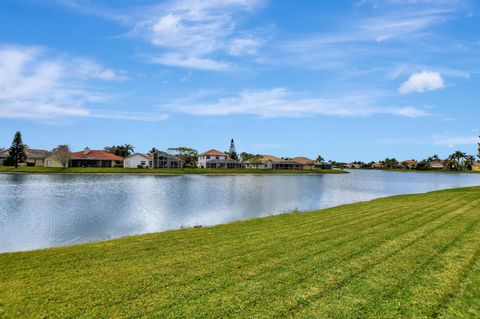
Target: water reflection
{"x":38,"y":211}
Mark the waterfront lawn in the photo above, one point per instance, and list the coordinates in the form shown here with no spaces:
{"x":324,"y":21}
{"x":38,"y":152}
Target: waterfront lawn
{"x":409,"y":256}
{"x":112,"y":170}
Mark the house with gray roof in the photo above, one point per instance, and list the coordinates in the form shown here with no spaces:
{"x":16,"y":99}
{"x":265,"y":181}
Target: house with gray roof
{"x":223,"y":163}
{"x":165,"y":160}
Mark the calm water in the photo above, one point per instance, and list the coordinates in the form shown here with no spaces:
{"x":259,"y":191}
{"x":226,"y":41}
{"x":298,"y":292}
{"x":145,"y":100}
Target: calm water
{"x":38,"y":211}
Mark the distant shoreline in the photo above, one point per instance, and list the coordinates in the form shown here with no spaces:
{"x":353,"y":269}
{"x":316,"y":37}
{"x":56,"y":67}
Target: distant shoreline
{"x":424,"y":171}
{"x":166,"y":172}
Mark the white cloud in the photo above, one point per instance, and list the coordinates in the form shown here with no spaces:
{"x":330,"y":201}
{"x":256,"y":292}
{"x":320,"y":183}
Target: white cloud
{"x":280,"y":102}
{"x":242,"y":46}
{"x":191,"y":62}
{"x":36,"y":86}
{"x":422,"y":82}
{"x":192,"y":32}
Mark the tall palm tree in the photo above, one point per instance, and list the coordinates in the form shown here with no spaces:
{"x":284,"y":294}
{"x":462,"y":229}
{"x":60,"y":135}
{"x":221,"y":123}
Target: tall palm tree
{"x":456,"y":161}
{"x":128,"y":149}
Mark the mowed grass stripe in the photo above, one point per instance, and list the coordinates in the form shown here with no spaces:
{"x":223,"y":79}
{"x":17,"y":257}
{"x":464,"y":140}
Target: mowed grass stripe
{"x":201,"y":273}
{"x":374,"y":259}
{"x":434,"y":245}
{"x":336,"y":280}
{"x":464,"y":303}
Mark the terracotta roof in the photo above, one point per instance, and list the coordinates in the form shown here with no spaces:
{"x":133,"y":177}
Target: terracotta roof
{"x":410,"y":161}
{"x":303,"y":160}
{"x":476,"y":165}
{"x":263,"y":159}
{"x":95,"y":155}
{"x":213,"y":152}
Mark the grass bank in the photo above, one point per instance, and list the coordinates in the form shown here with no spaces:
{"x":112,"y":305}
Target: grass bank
{"x":109,"y":170}
{"x":410,"y":256}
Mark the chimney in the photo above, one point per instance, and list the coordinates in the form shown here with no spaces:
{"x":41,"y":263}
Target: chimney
{"x":86,"y":151}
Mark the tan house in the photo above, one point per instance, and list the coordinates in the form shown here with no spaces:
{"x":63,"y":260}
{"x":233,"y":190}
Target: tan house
{"x":409,"y":164}
{"x":352,"y":165}
{"x":272,"y":162}
{"x":35,"y":157}
{"x":437,"y":165}
{"x":476,"y":167}
{"x":261,"y":162}
{"x":377,"y":165}
{"x":305,"y":161}
{"x":52,"y":160}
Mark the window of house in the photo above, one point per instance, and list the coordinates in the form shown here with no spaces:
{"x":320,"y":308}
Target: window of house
{"x":142,"y":163}
{"x":217,"y":157}
{"x":208,"y":156}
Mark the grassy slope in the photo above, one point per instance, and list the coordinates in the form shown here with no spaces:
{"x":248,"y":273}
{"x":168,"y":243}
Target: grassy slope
{"x":410,"y":256}
{"x":90,"y":170}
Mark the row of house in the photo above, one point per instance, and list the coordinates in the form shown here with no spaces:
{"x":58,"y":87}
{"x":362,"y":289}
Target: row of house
{"x":85,"y":158}
{"x":217,"y":159}
{"x":158,"y":159}
{"x":412,"y":164}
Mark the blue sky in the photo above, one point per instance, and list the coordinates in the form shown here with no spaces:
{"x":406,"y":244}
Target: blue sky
{"x":350,"y":80}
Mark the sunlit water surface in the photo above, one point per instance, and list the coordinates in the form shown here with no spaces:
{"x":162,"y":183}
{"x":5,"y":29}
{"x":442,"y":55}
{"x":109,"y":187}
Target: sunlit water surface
{"x":38,"y":211}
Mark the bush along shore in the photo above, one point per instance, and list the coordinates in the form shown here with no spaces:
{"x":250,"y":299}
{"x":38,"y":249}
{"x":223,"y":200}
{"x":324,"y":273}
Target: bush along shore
{"x":408,"y":256}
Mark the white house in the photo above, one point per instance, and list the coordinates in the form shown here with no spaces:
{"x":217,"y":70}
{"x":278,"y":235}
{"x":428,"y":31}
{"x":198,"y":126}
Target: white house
{"x":138,"y":160}
{"x":210,"y":155}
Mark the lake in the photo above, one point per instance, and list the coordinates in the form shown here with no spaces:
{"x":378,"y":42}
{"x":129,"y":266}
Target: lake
{"x":39,"y":211}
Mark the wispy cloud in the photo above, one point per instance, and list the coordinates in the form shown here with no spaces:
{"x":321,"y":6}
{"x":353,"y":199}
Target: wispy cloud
{"x":280,"y":102}
{"x":192,"y":32}
{"x":36,"y":85}
{"x":186,"y":34}
{"x":379,"y":36}
{"x":422,"y":82}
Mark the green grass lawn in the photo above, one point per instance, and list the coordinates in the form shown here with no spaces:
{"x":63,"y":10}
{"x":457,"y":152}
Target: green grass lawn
{"x":109,"y":170}
{"x":410,"y":256}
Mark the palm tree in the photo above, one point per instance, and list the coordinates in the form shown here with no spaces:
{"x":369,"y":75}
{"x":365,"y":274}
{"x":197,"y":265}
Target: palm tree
{"x":320,"y":159}
{"x":128,"y":148}
{"x":456,"y":161}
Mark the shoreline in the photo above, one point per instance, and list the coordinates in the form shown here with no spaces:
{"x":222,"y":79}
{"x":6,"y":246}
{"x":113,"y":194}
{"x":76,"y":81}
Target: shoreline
{"x":166,"y":172}
{"x":95,"y":242}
